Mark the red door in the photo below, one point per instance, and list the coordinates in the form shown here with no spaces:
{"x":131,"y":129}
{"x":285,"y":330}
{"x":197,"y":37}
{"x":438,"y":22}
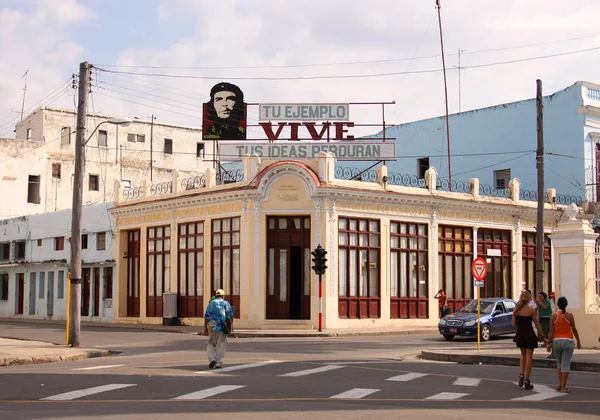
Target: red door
{"x":96,"y":292}
{"x":288,"y":267}
{"x":133,"y":273}
{"x":85,"y":292}
{"x":21,"y":296}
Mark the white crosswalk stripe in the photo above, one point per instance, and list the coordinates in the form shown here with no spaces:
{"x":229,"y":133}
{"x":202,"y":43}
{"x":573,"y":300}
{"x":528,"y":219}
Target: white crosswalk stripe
{"x":467,"y":382}
{"x":209,"y":392}
{"x":540,"y":393}
{"x":356,"y":393}
{"x":447,"y":396}
{"x":239,"y":367}
{"x":406,"y":377}
{"x":98,"y":367}
{"x":87,"y":391}
{"x":311,"y":371}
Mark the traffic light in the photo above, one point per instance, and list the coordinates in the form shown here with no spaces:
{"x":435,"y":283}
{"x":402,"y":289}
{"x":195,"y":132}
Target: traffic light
{"x":319,"y":260}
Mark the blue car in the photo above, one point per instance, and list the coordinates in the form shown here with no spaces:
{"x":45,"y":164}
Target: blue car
{"x":496,"y":319}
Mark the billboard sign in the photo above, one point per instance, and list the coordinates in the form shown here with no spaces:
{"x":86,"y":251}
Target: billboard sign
{"x":304,"y":112}
{"x":310,"y":150}
{"x":224,"y":115}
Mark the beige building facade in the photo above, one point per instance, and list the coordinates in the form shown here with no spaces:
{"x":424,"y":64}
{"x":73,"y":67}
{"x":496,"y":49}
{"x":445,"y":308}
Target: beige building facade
{"x":38,"y":164}
{"x":390,"y":248}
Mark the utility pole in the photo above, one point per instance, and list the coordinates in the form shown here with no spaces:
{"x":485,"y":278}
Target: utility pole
{"x":151,"y":144}
{"x":24,"y":92}
{"x":439,"y":9}
{"x":539,"y":249}
{"x":75,"y":283}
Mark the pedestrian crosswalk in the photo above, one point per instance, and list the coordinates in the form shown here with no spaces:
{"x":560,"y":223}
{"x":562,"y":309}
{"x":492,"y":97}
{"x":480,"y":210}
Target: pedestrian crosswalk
{"x":302,"y":380}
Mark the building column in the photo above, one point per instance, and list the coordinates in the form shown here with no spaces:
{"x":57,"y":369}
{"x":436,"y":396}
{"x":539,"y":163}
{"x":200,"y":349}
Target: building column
{"x":574,"y":249}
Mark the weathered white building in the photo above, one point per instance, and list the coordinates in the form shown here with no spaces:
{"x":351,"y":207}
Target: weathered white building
{"x":35,"y":254}
{"x":36,"y":168}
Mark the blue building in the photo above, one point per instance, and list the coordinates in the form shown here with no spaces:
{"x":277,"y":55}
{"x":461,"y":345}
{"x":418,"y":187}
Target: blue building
{"x":498,"y":143}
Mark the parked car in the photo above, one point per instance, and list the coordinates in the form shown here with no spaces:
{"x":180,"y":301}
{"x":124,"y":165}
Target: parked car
{"x":496,"y":317}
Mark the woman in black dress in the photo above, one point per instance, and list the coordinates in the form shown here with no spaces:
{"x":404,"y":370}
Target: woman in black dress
{"x":525,"y":338}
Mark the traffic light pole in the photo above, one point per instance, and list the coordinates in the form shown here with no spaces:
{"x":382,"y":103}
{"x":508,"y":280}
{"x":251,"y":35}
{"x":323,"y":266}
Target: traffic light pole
{"x":320,"y":267}
{"x":320,"y":303}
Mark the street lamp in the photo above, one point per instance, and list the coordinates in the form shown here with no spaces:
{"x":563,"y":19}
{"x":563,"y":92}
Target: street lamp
{"x":74,"y":313}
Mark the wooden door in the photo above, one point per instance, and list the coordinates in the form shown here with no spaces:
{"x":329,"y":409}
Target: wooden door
{"x":133,"y":273}
{"x":85,"y":292}
{"x":96,"y":311}
{"x":50,"y":294}
{"x":21,"y":293}
{"x":288,"y":267}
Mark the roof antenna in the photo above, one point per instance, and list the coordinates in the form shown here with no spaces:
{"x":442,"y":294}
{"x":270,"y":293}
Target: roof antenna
{"x":24,"y":91}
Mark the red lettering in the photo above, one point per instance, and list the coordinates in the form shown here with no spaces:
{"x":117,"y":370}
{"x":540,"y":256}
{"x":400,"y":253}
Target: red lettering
{"x":339,"y":130}
{"x":310,"y":126}
{"x":268,"y":128}
{"x":294,"y":131}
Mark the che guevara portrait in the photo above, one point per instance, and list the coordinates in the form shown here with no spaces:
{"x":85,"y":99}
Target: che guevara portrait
{"x":224,"y":116}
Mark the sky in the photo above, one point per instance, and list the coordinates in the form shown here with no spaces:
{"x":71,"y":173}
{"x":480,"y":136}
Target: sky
{"x":292,"y":51}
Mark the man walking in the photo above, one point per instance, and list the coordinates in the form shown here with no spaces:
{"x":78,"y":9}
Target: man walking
{"x":217,"y":324}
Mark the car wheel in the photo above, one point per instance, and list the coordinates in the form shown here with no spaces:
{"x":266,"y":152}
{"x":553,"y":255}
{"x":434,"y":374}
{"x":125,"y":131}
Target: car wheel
{"x":448,"y":336}
{"x":486,"y":332}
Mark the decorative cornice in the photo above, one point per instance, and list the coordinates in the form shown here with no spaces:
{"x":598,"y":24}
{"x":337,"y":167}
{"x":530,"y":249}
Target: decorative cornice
{"x":381,"y":208}
{"x":210,"y":210}
{"x":142,"y":219}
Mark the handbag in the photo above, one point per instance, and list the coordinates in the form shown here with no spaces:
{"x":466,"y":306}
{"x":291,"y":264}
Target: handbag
{"x":226,"y":329}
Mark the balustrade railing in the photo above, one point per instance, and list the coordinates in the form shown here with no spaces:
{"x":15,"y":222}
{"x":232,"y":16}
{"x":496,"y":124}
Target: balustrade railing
{"x":161,"y":188}
{"x":193,"y":183}
{"x":133,"y":193}
{"x":229,"y":177}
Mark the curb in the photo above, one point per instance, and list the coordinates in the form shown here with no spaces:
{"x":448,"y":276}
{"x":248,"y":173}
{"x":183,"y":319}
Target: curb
{"x":266,"y":334}
{"x":504,"y":361}
{"x":12,"y":361}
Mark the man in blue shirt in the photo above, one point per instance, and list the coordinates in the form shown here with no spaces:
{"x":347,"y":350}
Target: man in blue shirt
{"x":217,"y":324}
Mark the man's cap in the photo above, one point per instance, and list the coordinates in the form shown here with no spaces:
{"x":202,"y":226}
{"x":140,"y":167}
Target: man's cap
{"x":219,"y":292}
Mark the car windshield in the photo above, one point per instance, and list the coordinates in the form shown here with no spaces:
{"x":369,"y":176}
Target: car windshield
{"x":471,"y":307}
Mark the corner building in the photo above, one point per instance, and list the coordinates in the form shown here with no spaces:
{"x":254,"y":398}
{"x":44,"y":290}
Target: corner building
{"x":390,"y":248}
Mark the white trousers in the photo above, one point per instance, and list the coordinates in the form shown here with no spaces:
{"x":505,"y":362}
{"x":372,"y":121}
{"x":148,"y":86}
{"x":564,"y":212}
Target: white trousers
{"x":217,"y":342}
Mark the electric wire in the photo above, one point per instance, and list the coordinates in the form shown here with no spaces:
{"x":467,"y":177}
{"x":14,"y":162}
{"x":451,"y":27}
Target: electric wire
{"x":347,"y":63}
{"x":347,"y":76}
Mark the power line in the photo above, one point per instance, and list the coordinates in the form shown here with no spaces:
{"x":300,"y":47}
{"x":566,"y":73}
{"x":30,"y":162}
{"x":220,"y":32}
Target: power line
{"x":348,"y":76}
{"x":344,"y":63}
{"x":493,"y":164}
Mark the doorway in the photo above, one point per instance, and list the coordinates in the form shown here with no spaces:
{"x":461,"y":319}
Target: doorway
{"x":50,"y":294}
{"x":32,"y":293}
{"x":133,"y":273}
{"x":85,"y":292}
{"x":288,"y":267}
{"x":20,"y":293}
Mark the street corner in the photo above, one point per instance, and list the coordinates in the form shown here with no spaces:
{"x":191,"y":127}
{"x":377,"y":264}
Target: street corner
{"x":22,"y":352}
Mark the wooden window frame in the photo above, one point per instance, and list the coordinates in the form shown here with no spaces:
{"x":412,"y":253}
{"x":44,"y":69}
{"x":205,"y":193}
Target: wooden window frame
{"x":191,"y":236}
{"x":59,"y":243}
{"x":459,"y":247}
{"x":528,"y":255}
{"x":217,"y":246}
{"x":359,"y":306}
{"x":157,"y":235}
{"x":498,"y":239}
{"x":406,"y":305}
{"x":100,"y":241}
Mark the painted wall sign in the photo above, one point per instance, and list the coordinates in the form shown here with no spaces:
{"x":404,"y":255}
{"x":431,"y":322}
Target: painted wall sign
{"x":224,"y":115}
{"x":304,"y":112}
{"x":310,"y":150}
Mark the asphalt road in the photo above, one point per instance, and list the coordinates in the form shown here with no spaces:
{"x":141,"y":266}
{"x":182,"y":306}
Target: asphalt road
{"x":164,"y":375}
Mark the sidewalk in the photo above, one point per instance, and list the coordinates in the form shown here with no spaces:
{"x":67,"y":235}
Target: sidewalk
{"x":508,"y":355}
{"x":20,"y":352}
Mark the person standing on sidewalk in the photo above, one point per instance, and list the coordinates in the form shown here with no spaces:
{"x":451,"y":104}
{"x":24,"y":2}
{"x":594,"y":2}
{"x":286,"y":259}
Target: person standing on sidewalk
{"x":443,"y":303}
{"x":526,"y":339}
{"x":544,"y":311}
{"x":217,"y":324}
{"x":561,"y":341}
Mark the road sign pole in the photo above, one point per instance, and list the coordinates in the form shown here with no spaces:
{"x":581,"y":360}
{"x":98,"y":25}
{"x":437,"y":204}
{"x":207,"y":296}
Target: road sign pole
{"x":478,"y":319}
